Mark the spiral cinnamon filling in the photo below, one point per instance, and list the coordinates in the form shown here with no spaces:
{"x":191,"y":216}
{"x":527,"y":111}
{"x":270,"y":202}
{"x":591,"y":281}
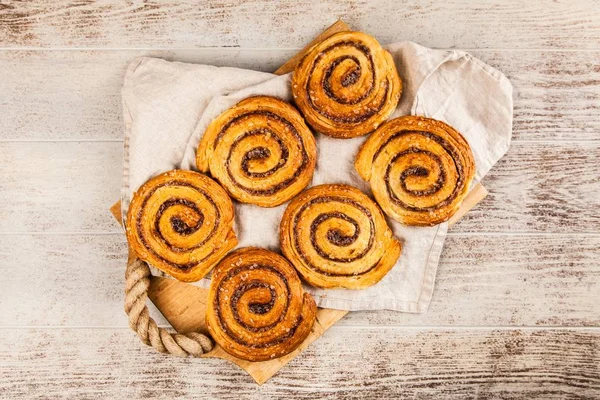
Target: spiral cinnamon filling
{"x":419,"y":169}
{"x":350,"y":78}
{"x":178,"y":224}
{"x":261,"y":153}
{"x":337,"y":237}
{"x":181,"y":222}
{"x":257,"y":308}
{"x":260,"y":150}
{"x":334,"y":236}
{"x":346,"y":85}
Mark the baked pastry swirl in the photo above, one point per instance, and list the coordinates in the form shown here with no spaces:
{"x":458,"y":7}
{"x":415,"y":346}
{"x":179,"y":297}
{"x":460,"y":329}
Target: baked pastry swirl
{"x":181,"y":222}
{"x":257,"y":309}
{"x":336,"y":236}
{"x":419,"y":168}
{"x":347,"y":85}
{"x":260,"y":150}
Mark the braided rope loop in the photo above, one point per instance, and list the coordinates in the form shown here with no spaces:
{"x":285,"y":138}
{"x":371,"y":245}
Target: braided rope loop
{"x":137,"y":282}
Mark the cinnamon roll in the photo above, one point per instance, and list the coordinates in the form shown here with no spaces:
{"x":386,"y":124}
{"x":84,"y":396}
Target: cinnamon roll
{"x":181,"y":222}
{"x":336,"y":236}
{"x":420,"y":169}
{"x":257,"y":309}
{"x":347,"y":85}
{"x":260,"y":150}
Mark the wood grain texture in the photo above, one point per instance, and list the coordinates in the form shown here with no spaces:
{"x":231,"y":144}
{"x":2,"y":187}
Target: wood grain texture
{"x":75,"y":95}
{"x":482,"y":280}
{"x":489,"y":274}
{"x":509,"y":280}
{"x":373,"y":363}
{"x":59,"y":187}
{"x":70,"y":280}
{"x":68,"y":186}
{"x":292,"y":23}
{"x":542,"y":188}
{"x":556,"y":94}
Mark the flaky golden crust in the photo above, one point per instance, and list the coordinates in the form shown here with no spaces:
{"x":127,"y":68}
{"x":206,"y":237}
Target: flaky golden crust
{"x":260,"y":150}
{"x":347,"y":85}
{"x":257,"y":309}
{"x":181,"y":222}
{"x":337,"y":237}
{"x":420,"y":169}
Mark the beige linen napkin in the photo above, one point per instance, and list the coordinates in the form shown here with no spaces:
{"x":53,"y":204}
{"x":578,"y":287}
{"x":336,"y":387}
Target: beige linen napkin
{"x":168,"y":106}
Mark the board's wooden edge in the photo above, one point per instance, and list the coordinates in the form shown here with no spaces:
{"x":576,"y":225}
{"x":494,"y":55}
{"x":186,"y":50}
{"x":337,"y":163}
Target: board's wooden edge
{"x":478,"y":193}
{"x":338,"y":26}
{"x":262,"y":371}
{"x":115,"y":210}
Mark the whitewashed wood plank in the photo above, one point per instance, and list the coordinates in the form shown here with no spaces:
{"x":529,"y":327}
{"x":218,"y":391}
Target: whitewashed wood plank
{"x":75,"y":95}
{"x":73,"y":280}
{"x":292,"y":23}
{"x":540,"y":187}
{"x":556,"y":95}
{"x":530,"y":280}
{"x":539,"y":280}
{"x":349,"y":363}
{"x":68,"y":187}
{"x":59,"y":187}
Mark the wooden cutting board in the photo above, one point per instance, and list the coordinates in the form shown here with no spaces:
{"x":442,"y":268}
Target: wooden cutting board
{"x":184,"y":305}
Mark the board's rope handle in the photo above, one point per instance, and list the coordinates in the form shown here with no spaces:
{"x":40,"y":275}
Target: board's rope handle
{"x":137,"y":282}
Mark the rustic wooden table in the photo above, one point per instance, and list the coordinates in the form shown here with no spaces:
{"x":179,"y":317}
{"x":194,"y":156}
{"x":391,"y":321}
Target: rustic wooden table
{"x":516,"y":310}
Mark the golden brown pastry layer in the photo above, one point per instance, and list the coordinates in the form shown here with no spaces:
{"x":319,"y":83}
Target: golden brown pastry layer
{"x":420,"y":169}
{"x":182,"y":223}
{"x":257,"y":309}
{"x":336,"y":236}
{"x":347,"y":85}
{"x":260,"y":150}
